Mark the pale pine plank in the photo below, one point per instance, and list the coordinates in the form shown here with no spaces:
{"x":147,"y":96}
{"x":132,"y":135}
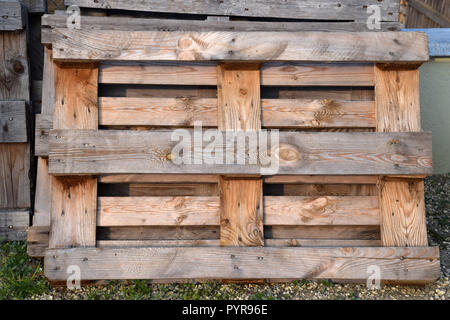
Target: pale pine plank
{"x":276,"y":113}
{"x":402,"y":203}
{"x":205,"y":211}
{"x":74,"y":200}
{"x":241,"y":201}
{"x":272,"y":74}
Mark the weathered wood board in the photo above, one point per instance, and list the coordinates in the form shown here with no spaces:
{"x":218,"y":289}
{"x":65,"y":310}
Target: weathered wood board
{"x":97,"y":45}
{"x":309,"y":9}
{"x":197,"y":211}
{"x":14,"y":224}
{"x":78,"y":152}
{"x":13,"y":122}
{"x":12,"y":16}
{"x":244,"y":263}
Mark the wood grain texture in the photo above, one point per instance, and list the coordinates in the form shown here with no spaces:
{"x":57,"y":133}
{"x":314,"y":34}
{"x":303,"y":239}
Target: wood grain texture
{"x":325,"y":113}
{"x":12,"y":16}
{"x":402,"y":203}
{"x":42,"y":198}
{"x":244,"y":263}
{"x":13,"y":122}
{"x":74,"y":200}
{"x":330,"y":189}
{"x":14,"y":70}
{"x":14,"y":170}
{"x":272,"y":74}
{"x":183,"y":112}
{"x":215,"y":243}
{"x":158,"y":178}
{"x":326,"y":210}
{"x":97,"y":45}
{"x":14,"y":224}
{"x":239,"y":109}
{"x":180,"y":178}
{"x":198,"y":210}
{"x":172,"y":189}
{"x":43,"y":125}
{"x":14,"y":85}
{"x":310,"y":9}
{"x":144,"y":24}
{"x":403,"y":220}
{"x":397,"y":96}
{"x":159,"y":233}
{"x":78,"y":152}
{"x":323,"y":232}
{"x":158,"y":211}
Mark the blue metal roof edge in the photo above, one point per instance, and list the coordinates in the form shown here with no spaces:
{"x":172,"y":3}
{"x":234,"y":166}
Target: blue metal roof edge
{"x":438,"y":41}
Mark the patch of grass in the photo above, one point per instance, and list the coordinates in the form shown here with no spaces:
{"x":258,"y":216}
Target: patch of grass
{"x":20,"y":276}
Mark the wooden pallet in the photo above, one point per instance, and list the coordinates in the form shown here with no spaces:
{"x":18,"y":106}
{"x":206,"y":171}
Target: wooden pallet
{"x":14,"y":128}
{"x":348,"y":194}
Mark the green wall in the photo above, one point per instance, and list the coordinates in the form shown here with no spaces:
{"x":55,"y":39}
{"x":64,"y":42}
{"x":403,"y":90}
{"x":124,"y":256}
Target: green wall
{"x":435,"y":109}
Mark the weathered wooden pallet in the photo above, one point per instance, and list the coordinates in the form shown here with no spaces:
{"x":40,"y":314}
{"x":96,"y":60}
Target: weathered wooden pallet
{"x":346,"y":197}
{"x":14,"y":110}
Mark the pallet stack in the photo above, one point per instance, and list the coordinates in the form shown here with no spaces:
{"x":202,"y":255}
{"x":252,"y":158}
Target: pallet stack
{"x":15,"y":157}
{"x":348,"y":194}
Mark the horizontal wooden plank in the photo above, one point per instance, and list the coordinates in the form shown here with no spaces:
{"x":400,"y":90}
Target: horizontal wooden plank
{"x":14,"y":224}
{"x":86,"y":152}
{"x":276,"y":113}
{"x":159,"y":178}
{"x":216,"y":243}
{"x":49,"y":22}
{"x":158,"y":211}
{"x":322,"y":179}
{"x":330,"y":189}
{"x":180,"y":178}
{"x":12,"y":16}
{"x":182,"y":112}
{"x":171,"y":189}
{"x":323,"y":232}
{"x":244,"y":263}
{"x":158,"y":233}
{"x":306,"y":9}
{"x":327,"y":210}
{"x":13,"y":122}
{"x":191,"y":211}
{"x":98,"y":45}
{"x":272,"y":74}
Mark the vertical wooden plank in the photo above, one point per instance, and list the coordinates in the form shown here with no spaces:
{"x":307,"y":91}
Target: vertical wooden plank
{"x":241,"y":220}
{"x":14,"y":85}
{"x":402,"y":203}
{"x":74,"y":200}
{"x":42,"y":200}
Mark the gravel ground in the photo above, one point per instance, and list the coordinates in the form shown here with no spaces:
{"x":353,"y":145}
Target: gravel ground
{"x":437,"y":202}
